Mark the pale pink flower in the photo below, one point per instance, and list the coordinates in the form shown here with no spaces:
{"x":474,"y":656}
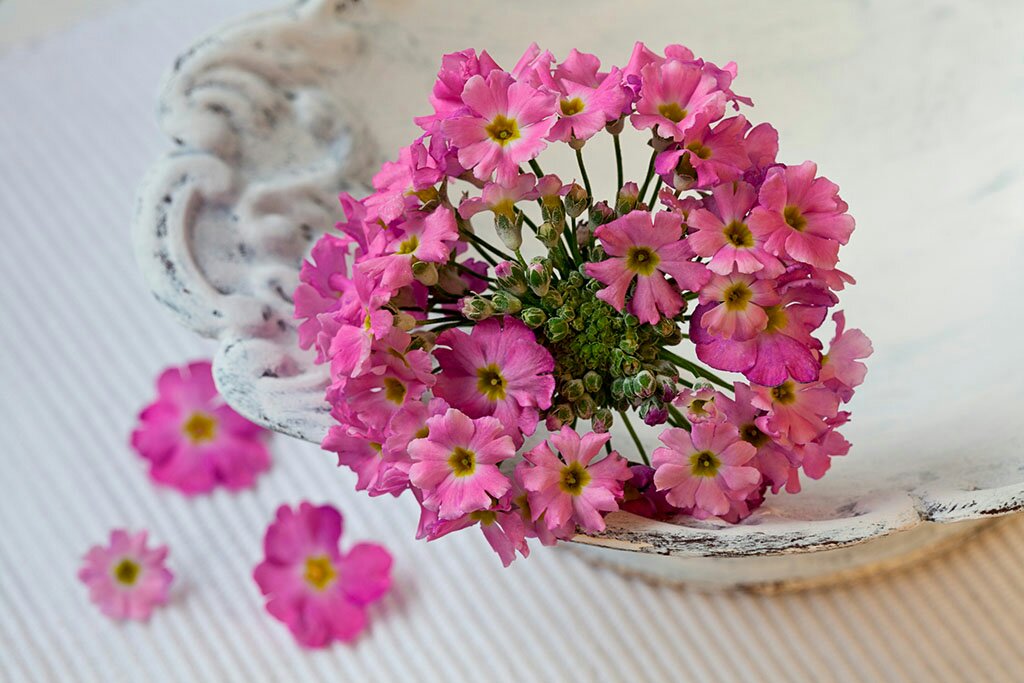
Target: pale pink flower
{"x":705,"y":469}
{"x":569,"y":486}
{"x":796,"y":412}
{"x":699,"y":404}
{"x":456,"y":464}
{"x":584,"y":109}
{"x":708,"y":156}
{"x":738,"y":302}
{"x":319,"y":592}
{"x":126,"y":578}
{"x":646,"y":251}
{"x":505,"y":125}
{"x":423,"y":237}
{"x":776,"y":460}
{"x":720,"y":230}
{"x":498,"y":369}
{"x":802,"y":216}
{"x":456,"y":69}
{"x":500,"y":199}
{"x":193,"y":440}
{"x":502,"y":526}
{"x":841,"y":370}
{"x":816,"y":456}
{"x":398,"y":182}
{"x":675,"y":97}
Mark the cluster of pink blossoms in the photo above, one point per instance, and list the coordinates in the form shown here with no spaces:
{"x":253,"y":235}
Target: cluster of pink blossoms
{"x":447,"y":351}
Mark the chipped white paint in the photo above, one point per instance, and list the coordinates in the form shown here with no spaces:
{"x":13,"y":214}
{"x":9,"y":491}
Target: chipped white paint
{"x":272,"y":117}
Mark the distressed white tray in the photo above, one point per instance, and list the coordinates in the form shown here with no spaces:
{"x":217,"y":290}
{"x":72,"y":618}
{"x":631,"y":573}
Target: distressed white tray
{"x":272,"y":117}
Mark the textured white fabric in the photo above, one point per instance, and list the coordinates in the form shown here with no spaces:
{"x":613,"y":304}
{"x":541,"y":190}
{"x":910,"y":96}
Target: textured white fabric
{"x":81,"y":343}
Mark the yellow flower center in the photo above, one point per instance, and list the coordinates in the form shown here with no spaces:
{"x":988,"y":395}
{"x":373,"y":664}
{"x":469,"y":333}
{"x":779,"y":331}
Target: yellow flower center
{"x":794,"y":218}
{"x":462,"y":461}
{"x":394,"y":390}
{"x":737,"y":296}
{"x":422,"y":433}
{"x":785,"y":393}
{"x":574,"y":479}
{"x":699,"y":149}
{"x":503,"y":130}
{"x":776,"y":318}
{"x":704,"y":464}
{"x":672,"y":111}
{"x":738,"y":235}
{"x":320,"y":572}
{"x":491,"y":383}
{"x":200,"y":427}
{"x":642,"y":260}
{"x":752,"y":435}
{"x":409,"y":245}
{"x":485,"y":517}
{"x":697,"y":407}
{"x":126,"y":572}
{"x":571,"y":107}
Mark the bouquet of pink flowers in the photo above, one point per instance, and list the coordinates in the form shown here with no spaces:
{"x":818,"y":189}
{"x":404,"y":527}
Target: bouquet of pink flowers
{"x":448,"y":347}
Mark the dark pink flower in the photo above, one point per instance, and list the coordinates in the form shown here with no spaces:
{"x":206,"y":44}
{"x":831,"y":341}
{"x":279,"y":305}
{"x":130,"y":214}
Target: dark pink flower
{"x":796,"y":412}
{"x":569,"y":486}
{"x":498,"y":369}
{"x":706,"y":469}
{"x":193,"y":440}
{"x":646,"y":251}
{"x":775,"y":459}
{"x":841,"y":369}
{"x":319,"y":592}
{"x":802,"y":216}
{"x":708,"y":156}
{"x":126,"y":578}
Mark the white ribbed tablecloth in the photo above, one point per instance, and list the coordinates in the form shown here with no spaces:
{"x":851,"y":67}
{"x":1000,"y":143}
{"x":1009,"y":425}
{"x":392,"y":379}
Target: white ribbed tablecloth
{"x":81,"y":342}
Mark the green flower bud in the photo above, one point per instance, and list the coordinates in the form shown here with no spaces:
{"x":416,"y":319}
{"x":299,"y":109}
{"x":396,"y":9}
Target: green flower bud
{"x":584,"y":234}
{"x":602,"y":420}
{"x":556,"y":329}
{"x":665,"y":327}
{"x":533,"y":317}
{"x":626,"y":199}
{"x":538,"y":275}
{"x":601,"y":213}
{"x":506,"y":303}
{"x":630,"y":365}
{"x":425,"y":272}
{"x":509,"y":230}
{"x":548,"y":235}
{"x":646,"y":383}
{"x":616,"y":126}
{"x":560,"y":415}
{"x":477,"y":308}
{"x":573,"y":389}
{"x":511,"y":277}
{"x":551,"y":300}
{"x":585,"y":407}
{"x":618,"y":388}
{"x":576,"y":201}
{"x":553,"y":211}
{"x":628,"y":345}
{"x":592,"y":382}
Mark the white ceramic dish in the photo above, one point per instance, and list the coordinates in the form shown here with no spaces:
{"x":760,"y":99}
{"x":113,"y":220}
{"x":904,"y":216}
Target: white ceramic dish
{"x":272,"y":117}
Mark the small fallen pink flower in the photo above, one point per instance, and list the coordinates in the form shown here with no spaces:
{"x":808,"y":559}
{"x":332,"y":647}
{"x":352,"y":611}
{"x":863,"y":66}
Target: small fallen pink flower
{"x":569,"y":486}
{"x":319,"y":592}
{"x":193,"y":440}
{"x":126,"y":578}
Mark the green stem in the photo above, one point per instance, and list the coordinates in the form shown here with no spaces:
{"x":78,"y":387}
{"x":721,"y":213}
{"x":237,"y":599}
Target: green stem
{"x":618,"y":162}
{"x":478,"y":243}
{"x":650,"y":174}
{"x":636,"y":439}
{"x":694,"y":369}
{"x":586,"y":179}
{"x":469,"y":271}
{"x":448,"y":326}
{"x":522,"y":261}
{"x":657,"y":186}
{"x":446,"y":319}
{"x":528,"y":220}
{"x":536,"y":168}
{"x":679,"y":417}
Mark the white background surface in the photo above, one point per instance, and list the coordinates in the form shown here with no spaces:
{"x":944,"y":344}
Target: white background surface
{"x":81,"y":343}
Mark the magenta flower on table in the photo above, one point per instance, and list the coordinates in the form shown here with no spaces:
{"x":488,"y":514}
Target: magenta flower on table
{"x":802,"y":216}
{"x":456,"y":464}
{"x":505,"y":125}
{"x":720,"y":231}
{"x":318,"y":591}
{"x":193,"y":440}
{"x":675,"y":97}
{"x":705,"y":469}
{"x":497,"y":369}
{"x":646,"y":251}
{"x":569,"y":485}
{"x":126,"y":578}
